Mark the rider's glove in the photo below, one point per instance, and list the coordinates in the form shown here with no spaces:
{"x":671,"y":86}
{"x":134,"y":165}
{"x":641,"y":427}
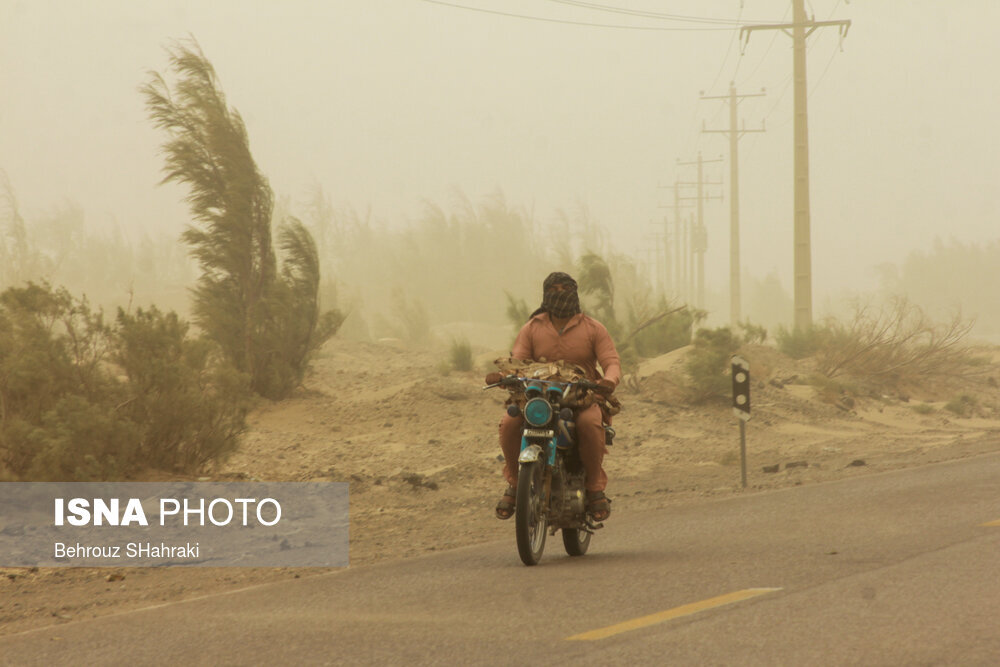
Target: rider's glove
{"x":605,"y":386}
{"x":493,"y":378}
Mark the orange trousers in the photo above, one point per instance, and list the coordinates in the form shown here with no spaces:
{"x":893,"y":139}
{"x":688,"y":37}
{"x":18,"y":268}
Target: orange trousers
{"x":590,"y":438}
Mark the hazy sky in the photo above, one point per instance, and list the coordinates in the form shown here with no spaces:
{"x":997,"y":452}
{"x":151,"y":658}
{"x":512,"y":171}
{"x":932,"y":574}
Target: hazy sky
{"x":386,"y":103}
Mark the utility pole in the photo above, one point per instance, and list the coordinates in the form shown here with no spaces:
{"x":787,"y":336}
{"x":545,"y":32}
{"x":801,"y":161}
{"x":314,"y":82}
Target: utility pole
{"x":801,"y":27}
{"x":689,"y":260}
{"x":680,"y":236}
{"x":658,"y":247}
{"x":699,"y":233}
{"x":677,"y":260}
{"x":699,"y":244}
{"x":734,"y":194}
{"x":664,"y":250}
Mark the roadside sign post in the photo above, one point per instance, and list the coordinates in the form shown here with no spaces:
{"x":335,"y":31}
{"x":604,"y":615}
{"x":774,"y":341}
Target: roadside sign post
{"x":741,"y":407}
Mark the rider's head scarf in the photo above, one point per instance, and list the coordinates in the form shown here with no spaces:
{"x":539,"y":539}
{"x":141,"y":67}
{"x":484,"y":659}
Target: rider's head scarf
{"x":557,"y":302}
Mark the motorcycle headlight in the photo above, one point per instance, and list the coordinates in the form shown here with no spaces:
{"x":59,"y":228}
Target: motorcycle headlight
{"x":538,"y":412}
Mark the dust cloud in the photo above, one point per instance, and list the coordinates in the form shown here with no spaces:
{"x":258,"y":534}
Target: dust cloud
{"x":470,"y":152}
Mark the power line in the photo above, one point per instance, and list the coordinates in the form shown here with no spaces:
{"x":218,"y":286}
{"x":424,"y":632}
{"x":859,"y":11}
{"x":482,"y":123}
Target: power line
{"x":653,"y":15}
{"x":695,"y":138}
{"x":567,"y":22}
{"x":760,"y":62}
{"x":813,"y":88}
{"x":823,"y":74}
{"x":729,"y":49}
{"x":781,"y":96}
{"x":788,"y":79}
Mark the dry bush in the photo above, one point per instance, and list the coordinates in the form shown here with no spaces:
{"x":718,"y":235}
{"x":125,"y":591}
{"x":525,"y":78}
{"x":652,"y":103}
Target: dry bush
{"x":752,"y":333}
{"x":964,"y":405}
{"x":831,"y":390}
{"x":894,"y":345}
{"x":707,"y":365}
{"x":802,"y":342}
{"x":460,"y":355}
{"x":82,"y":400}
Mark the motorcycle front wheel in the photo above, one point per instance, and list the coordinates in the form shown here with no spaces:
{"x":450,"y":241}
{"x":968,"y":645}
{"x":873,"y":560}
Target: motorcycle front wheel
{"x":576,"y":541}
{"x":529,"y":516}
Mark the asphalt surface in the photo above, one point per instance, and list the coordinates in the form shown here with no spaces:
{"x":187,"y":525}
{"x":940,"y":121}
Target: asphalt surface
{"x":888,"y":569}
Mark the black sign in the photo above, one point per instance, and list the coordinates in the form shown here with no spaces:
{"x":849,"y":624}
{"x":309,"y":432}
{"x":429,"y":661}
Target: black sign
{"x":741,"y":387}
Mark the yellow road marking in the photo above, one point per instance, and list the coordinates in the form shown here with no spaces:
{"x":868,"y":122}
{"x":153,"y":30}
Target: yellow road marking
{"x":676,"y":612}
{"x":992,"y":523}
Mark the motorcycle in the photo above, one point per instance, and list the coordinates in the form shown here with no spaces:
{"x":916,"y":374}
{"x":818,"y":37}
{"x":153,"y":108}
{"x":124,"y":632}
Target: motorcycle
{"x":550,"y":492}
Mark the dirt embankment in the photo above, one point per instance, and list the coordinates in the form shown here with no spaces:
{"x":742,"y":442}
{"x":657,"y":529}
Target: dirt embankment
{"x":419,"y":451}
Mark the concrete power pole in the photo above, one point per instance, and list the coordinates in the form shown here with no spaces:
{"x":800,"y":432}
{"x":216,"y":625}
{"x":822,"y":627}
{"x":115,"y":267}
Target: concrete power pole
{"x":676,"y":271}
{"x":699,"y":234}
{"x":689,"y":260}
{"x":660,"y":249}
{"x":801,"y":27}
{"x":734,"y":195}
{"x":665,"y":249}
{"x":680,"y":245}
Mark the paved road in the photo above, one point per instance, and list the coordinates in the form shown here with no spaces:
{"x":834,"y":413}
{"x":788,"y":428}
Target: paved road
{"x":896,"y":568}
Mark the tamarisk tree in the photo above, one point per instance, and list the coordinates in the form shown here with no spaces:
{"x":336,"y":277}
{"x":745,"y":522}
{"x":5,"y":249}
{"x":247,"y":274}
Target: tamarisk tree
{"x":267,"y":321}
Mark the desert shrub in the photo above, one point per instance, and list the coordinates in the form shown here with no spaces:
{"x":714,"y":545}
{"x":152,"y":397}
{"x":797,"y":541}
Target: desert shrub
{"x":518,"y":311}
{"x":963,"y":405}
{"x":663,"y":331}
{"x":894,"y":345}
{"x":752,"y":333}
{"x":935,"y":277}
{"x":730,"y":457}
{"x":654,"y":335}
{"x":460,"y":355}
{"x":81,"y":440}
{"x":799,"y":343}
{"x":57,"y":396}
{"x":595,"y":281}
{"x":923,"y":408}
{"x":19,"y":261}
{"x":831,"y":390}
{"x":413,"y":324}
{"x":189,"y":404}
{"x":81,"y":400}
{"x":708,"y":362}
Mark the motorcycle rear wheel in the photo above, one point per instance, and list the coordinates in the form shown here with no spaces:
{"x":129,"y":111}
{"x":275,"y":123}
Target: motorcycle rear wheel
{"x":576,"y":541}
{"x":529,"y":517}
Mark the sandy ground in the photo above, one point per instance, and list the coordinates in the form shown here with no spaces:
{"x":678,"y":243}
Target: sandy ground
{"x":419,"y":450}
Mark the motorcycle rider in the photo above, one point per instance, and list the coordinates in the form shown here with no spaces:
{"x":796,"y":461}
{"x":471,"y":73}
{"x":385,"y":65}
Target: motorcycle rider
{"x":559,"y":331}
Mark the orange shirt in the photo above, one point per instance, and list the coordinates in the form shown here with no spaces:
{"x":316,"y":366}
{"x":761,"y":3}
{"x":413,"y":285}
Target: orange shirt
{"x":584,"y":341}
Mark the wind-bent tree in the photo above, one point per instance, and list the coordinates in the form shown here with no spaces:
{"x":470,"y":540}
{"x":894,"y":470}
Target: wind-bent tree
{"x":596,"y":279}
{"x":295,"y":328}
{"x":266,"y":322}
{"x":18,"y":261}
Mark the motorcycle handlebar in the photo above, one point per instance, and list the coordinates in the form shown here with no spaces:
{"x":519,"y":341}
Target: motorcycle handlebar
{"x":514,"y":381}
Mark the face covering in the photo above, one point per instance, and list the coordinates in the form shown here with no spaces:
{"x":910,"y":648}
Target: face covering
{"x":564,"y":303}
